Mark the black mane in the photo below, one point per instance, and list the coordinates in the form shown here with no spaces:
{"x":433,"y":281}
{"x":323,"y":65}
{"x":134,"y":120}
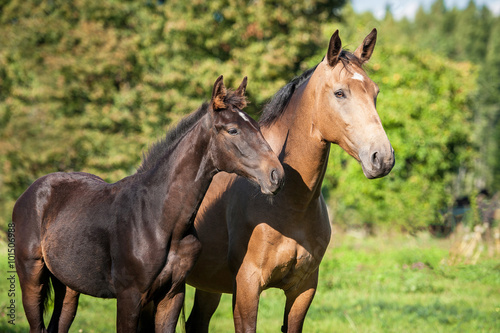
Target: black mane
{"x":158,"y":149}
{"x":278,"y":103}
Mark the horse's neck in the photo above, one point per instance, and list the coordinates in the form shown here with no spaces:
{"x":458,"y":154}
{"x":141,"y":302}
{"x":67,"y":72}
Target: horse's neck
{"x":300,"y":146}
{"x":183,"y":177}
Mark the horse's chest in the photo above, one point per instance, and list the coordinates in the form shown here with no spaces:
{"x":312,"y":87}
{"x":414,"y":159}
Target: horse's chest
{"x":293,"y":265}
{"x":304,"y":252}
{"x":304,"y":261}
{"x":303,"y":265}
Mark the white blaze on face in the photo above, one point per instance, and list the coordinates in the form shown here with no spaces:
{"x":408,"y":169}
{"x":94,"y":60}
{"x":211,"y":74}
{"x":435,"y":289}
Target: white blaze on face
{"x":358,"y":77}
{"x":242,"y":115}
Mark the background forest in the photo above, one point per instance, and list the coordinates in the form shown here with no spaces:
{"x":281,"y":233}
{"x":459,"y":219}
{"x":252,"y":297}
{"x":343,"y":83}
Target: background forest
{"x":89,"y":85}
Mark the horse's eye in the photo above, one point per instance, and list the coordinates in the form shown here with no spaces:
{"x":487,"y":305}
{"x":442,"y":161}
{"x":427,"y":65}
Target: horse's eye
{"x":233,"y":131}
{"x":339,"y":94}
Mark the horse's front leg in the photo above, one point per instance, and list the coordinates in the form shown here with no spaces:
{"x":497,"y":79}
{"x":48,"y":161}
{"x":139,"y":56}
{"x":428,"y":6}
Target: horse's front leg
{"x":181,"y":259}
{"x":168,"y":310}
{"x":246,"y":293}
{"x":298,"y":300}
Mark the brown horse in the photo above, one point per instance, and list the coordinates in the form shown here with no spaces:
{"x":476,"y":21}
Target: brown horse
{"x":131,"y":240}
{"x":250,"y":243}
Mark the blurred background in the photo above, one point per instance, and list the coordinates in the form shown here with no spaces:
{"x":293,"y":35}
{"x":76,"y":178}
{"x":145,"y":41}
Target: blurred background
{"x":89,"y":85}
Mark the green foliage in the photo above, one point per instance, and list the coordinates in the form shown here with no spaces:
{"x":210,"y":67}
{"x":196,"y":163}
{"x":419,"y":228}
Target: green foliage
{"x":488,"y":109}
{"x":469,"y":35}
{"x":87,"y":85}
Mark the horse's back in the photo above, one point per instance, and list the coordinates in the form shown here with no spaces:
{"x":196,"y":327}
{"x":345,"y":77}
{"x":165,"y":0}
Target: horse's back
{"x":33,"y":202}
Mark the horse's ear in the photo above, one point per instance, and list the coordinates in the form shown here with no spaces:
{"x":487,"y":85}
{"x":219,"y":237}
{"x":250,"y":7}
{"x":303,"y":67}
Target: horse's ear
{"x":242,"y":88}
{"x":218,"y":94}
{"x":241,"y":92}
{"x":365,"y":50}
{"x":334,"y":49}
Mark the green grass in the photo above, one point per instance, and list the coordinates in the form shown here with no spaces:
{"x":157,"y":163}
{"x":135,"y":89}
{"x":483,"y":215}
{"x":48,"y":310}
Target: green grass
{"x":380,"y":284}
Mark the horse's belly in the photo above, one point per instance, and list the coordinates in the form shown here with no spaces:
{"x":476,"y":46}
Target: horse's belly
{"x":211,"y":277}
{"x":82,"y":265}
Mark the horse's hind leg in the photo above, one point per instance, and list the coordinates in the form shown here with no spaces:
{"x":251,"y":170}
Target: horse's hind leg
{"x":204,"y":306}
{"x":34,"y":280}
{"x":65,"y":306}
{"x":128,"y":308}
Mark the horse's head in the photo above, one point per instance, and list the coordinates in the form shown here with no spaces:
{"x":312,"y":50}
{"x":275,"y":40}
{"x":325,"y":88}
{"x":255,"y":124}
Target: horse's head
{"x":238,"y":144}
{"x":347,"y":114}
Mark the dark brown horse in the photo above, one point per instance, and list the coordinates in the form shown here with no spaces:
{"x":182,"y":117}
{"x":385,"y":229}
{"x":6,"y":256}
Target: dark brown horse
{"x":131,"y":240}
{"x":250,"y":243}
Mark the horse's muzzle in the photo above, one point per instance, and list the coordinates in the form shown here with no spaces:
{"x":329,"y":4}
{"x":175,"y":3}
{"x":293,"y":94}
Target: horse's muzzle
{"x":277,"y":178}
{"x":275,"y":181}
{"x":378,"y":164}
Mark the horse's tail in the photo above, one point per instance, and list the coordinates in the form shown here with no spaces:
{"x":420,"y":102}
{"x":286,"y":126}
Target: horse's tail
{"x":47,"y":293}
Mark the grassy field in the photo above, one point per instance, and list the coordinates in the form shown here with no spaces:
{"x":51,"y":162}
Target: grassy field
{"x":377,"y":284}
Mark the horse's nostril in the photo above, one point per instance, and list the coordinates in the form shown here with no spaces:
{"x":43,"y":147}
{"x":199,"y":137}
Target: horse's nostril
{"x":274,"y":176}
{"x":376,"y":160}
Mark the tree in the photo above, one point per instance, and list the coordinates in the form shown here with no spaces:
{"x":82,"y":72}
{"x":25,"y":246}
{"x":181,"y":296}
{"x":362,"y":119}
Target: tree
{"x":489,"y":111}
{"x":86,"y":85}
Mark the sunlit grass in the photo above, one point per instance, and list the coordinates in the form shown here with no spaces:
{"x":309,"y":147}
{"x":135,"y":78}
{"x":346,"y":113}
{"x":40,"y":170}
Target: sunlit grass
{"x":376,"y":284}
